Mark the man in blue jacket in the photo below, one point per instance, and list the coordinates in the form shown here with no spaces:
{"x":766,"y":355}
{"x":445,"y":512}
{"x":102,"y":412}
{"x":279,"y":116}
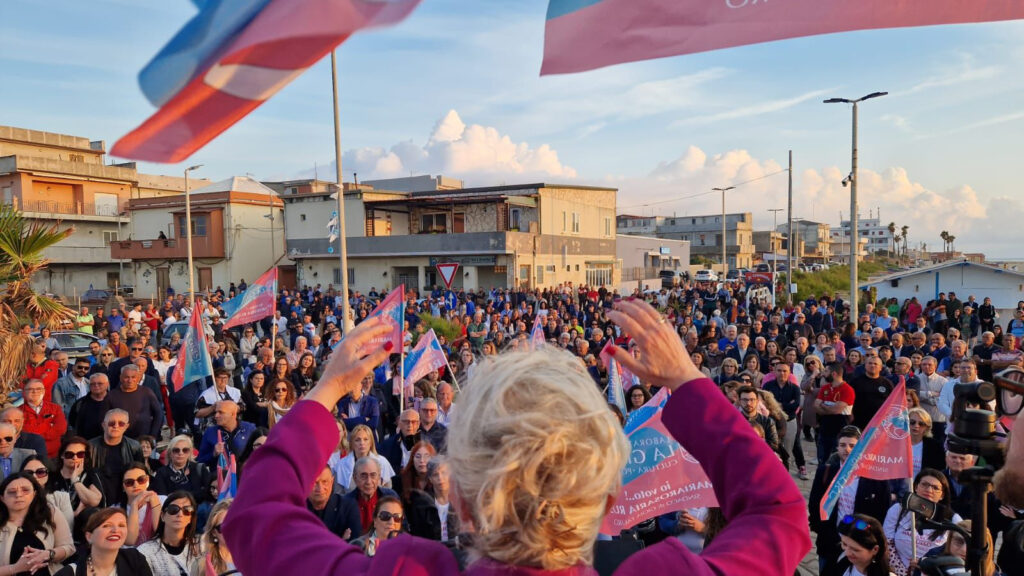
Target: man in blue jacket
{"x":339,"y":514}
{"x":230,"y":433}
{"x":361,"y":407}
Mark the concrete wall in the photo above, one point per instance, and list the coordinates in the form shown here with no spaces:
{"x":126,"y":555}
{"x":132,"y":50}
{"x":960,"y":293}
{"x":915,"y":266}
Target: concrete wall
{"x":379,"y":273}
{"x":593,"y":207}
{"x":1005,"y":288}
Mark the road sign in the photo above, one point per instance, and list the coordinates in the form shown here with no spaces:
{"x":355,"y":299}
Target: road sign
{"x":447,"y":271}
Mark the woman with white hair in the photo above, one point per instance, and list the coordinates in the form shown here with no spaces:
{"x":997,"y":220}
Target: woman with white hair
{"x":536,"y":460}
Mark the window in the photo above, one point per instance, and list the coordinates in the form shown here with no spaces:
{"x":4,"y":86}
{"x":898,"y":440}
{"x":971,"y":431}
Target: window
{"x":575,"y":222}
{"x":434,"y":223}
{"x":109,"y":236}
{"x":198,"y":225}
{"x":565,"y":225}
{"x":336,"y":276}
{"x":551,"y":268}
{"x":540,"y":274}
{"x":302,"y":217}
{"x":514,"y":216}
{"x":607,"y":226}
{"x":459,"y":222}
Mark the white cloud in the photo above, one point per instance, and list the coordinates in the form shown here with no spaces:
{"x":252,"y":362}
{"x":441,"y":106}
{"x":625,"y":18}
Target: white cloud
{"x":754,"y":109}
{"x":478,"y":154}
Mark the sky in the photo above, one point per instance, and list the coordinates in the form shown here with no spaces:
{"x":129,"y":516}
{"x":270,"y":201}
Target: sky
{"x":455,"y":90}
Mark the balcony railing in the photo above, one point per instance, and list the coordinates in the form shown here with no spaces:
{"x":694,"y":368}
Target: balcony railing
{"x":172,"y":248}
{"x":70,"y":208}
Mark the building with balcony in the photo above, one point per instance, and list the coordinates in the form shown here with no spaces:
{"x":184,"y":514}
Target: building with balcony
{"x":642,"y":259}
{"x":877,"y":234}
{"x":237,"y":234}
{"x":60,"y":178}
{"x":813,"y":241}
{"x":533,"y":235}
{"x":703,"y":232}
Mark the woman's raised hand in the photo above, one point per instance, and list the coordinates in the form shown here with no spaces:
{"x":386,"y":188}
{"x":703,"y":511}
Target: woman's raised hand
{"x":663,"y":359}
{"x":346,"y":368}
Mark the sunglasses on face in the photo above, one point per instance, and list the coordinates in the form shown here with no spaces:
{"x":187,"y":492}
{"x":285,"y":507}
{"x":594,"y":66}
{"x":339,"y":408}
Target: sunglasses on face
{"x":38,"y":472}
{"x":136,"y":349}
{"x":70,"y":455}
{"x":174,"y":510}
{"x":117,"y":424}
{"x":7,"y":439}
{"x":849,"y":520}
{"x":389,"y":517}
{"x":280,"y":389}
{"x":180,"y":451}
{"x":106,"y":354}
{"x":141,"y":481}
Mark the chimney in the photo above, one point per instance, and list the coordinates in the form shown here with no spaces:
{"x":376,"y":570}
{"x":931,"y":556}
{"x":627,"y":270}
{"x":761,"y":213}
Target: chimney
{"x":355,"y":178}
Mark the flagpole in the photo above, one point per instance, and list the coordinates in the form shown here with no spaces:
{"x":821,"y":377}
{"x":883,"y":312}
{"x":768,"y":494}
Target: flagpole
{"x":343,"y":247}
{"x":401,"y":373}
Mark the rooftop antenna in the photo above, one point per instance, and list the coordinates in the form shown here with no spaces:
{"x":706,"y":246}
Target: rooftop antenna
{"x":315,"y":177}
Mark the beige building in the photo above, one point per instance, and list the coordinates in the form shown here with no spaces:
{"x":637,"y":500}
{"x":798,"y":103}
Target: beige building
{"x":60,"y":178}
{"x":233,"y":237}
{"x":703,"y":232}
{"x":533,"y":235}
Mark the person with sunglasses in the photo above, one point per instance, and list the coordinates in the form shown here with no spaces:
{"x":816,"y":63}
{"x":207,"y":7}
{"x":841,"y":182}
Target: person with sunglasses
{"x":865,"y":550}
{"x":174,"y":547}
{"x":112,"y":452}
{"x":182,"y":472}
{"x":36,"y":467}
{"x":215,"y":550}
{"x":74,"y":476}
{"x":387,"y":523}
{"x":931,"y":485}
{"x":140,"y":503}
{"x":34,"y":538}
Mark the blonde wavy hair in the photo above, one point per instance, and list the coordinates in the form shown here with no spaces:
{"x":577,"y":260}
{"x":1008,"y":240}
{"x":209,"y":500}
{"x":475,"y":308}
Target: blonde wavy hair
{"x":535,"y":454}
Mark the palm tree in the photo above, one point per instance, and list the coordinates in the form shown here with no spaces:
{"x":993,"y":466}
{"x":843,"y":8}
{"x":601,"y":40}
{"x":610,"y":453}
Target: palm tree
{"x":892,"y":234}
{"x":951,"y":240}
{"x":945,"y":240}
{"x":22,"y":242}
{"x":903,"y":235}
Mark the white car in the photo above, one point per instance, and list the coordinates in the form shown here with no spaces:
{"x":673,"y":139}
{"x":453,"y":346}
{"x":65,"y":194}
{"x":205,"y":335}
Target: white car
{"x":705,"y":276}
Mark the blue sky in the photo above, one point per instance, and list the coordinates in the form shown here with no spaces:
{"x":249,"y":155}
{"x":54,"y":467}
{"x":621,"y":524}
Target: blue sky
{"x":455,"y":89}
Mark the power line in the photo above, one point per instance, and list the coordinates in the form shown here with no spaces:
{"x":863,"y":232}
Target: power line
{"x":699,"y":194}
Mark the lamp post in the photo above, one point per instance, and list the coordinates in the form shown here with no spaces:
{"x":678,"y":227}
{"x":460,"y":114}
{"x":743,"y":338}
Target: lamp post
{"x":771,"y":242}
{"x":188,"y":240}
{"x":346,"y":322}
{"x":852,"y":179}
{"x":725,"y":261}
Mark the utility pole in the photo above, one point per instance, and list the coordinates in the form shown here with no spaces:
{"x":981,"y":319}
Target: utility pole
{"x":725,"y":260}
{"x":346,"y":322}
{"x":771,"y":243}
{"x":188,"y":240}
{"x":789,"y":236}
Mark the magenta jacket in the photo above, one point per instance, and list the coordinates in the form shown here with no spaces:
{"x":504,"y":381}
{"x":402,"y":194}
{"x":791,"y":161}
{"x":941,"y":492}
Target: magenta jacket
{"x":270,"y":531}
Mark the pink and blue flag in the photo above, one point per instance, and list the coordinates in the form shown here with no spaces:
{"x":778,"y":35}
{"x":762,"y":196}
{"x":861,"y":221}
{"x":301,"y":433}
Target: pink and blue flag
{"x":256,"y":303}
{"x":233,"y":56}
{"x":587,"y":34}
{"x":424,"y":358}
{"x":660,"y":476}
{"x":537,"y":334}
{"x":227,"y":474}
{"x":626,"y":378}
{"x":615,"y":394}
{"x":884,"y":452}
{"x":194,"y":362}
{"x":392,"y":307}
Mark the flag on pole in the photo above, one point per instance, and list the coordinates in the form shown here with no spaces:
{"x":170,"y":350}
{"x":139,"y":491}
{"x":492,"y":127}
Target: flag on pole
{"x":660,"y":476}
{"x":234,"y":55}
{"x":393,"y":309}
{"x":884,"y":452}
{"x":615,"y":394}
{"x":626,"y":378}
{"x":587,"y":34}
{"x":227,"y":473}
{"x":257,"y":302}
{"x":194,"y":362}
{"x":421,"y":360}
{"x":537,"y":334}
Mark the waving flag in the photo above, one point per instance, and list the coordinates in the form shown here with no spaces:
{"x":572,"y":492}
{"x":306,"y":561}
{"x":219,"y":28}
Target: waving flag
{"x":537,"y":334}
{"x":615,"y":395}
{"x":661,"y":476}
{"x":586,"y":34}
{"x":627,"y":378}
{"x":425,"y":357}
{"x":194,"y":362}
{"x":885,"y":451}
{"x":256,"y":303}
{"x":393,"y":308}
{"x":234,"y":55}
{"x":227,"y":474}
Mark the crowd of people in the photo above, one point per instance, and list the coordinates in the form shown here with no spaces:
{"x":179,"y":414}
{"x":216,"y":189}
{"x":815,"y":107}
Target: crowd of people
{"x":108,"y":467}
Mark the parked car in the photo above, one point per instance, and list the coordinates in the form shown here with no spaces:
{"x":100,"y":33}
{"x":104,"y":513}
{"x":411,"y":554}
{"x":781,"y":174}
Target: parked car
{"x":668,"y":278}
{"x":75,"y":343}
{"x":764,"y":268}
{"x":705,"y":276}
{"x":178,"y":328}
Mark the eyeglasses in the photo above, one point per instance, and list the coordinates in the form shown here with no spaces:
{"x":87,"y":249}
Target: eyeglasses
{"x":7,"y":439}
{"x":117,"y":424}
{"x":24,"y":490}
{"x":181,"y":451}
{"x":917,"y":423}
{"x":850,"y":520}
{"x":38,"y":472}
{"x":106,"y":354}
{"x":174,"y":510}
{"x":136,"y":349}
{"x":280,"y":389}
{"x":69,"y":454}
{"x":141,"y":481}
{"x":389,"y":517}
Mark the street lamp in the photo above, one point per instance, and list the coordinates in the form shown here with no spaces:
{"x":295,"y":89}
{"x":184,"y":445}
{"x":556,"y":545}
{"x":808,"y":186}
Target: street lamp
{"x":188,"y":240}
{"x":725,"y":261}
{"x":852,"y":179}
{"x":771,"y":243}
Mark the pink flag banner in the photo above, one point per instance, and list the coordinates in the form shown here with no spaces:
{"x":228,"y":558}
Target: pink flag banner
{"x":884,"y":452}
{"x":426,"y":357}
{"x":392,"y":307}
{"x":587,"y":34}
{"x":661,"y":476}
{"x":257,"y":302}
{"x":232,"y":57}
{"x":194,"y":362}
{"x":627,"y":378}
{"x":537,"y":334}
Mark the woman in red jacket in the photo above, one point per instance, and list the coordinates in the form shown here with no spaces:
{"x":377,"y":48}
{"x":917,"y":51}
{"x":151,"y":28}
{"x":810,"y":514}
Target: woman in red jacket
{"x":536,"y":459}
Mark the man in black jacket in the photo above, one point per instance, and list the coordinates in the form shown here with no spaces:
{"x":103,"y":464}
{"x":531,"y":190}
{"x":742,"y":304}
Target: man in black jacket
{"x":113,"y":452}
{"x":396,"y":448}
{"x":339,"y":514}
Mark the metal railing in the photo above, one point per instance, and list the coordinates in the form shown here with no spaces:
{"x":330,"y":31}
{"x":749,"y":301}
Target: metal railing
{"x":70,"y":208}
